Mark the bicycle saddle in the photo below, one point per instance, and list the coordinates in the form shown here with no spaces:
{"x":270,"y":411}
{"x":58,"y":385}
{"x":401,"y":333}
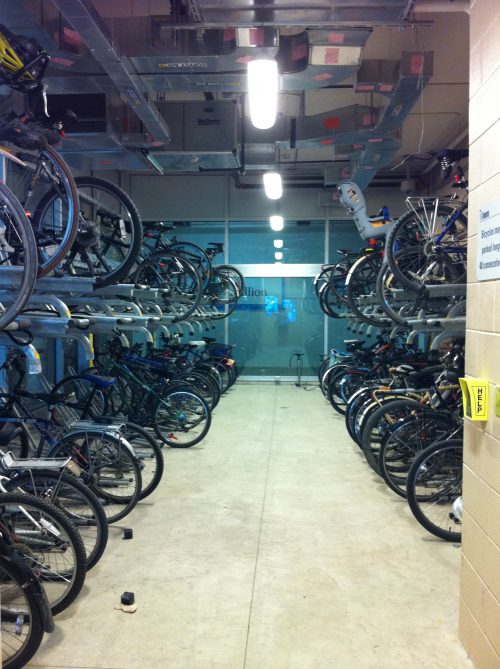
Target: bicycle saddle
{"x":101,"y":381}
{"x":217,"y":246}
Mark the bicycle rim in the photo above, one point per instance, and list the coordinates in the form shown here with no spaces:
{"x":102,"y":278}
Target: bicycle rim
{"x":18,"y":255}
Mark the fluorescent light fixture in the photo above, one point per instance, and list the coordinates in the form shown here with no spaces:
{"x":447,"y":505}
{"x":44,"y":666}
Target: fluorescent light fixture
{"x":272,"y":185}
{"x":278,"y":243}
{"x":263,"y":84}
{"x":278,"y":255}
{"x":277,"y":223}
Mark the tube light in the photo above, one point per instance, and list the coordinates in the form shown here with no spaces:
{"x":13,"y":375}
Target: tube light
{"x":272,"y":185}
{"x":278,"y":255}
{"x":263,"y":84}
{"x":278,"y":243}
{"x":277,"y":223}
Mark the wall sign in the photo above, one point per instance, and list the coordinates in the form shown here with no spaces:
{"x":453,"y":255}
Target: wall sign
{"x":488,"y":242}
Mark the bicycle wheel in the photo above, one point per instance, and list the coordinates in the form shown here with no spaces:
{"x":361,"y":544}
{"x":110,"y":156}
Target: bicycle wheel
{"x":181,"y":418}
{"x":330,"y":304}
{"x":203,"y":385}
{"x":434,"y":486}
{"x":405,"y":440}
{"x":83,"y":399}
{"x":398,"y":303}
{"x":22,"y":627}
{"x":358,"y":400}
{"x":378,"y":419}
{"x":338,"y":277}
{"x":196,"y":256}
{"x":17,"y":250}
{"x":108,"y":467}
{"x":222,"y":289}
{"x":234,"y":274}
{"x":180,"y":282}
{"x":79,"y":503}
{"x":49,"y":543}
{"x":55,"y":226}
{"x":342,"y":386}
{"x":109,"y":234}
{"x":322,"y":278}
{"x":433,"y":262}
{"x":149,"y":455}
{"x":361,"y":284}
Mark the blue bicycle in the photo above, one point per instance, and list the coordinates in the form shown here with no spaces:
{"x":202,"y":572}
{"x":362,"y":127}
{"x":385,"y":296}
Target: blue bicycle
{"x":428,"y":244}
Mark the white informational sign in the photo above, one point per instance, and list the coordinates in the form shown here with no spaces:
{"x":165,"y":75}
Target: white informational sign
{"x":488,"y":242}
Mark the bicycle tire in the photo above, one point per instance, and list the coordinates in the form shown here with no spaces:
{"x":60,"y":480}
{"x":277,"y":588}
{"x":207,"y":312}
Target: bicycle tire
{"x":361,"y":281}
{"x":410,"y":232}
{"x":196,"y":256}
{"x":222,"y":289}
{"x":377,"y":422}
{"x":421,"y":471}
{"x":83,"y":397}
{"x":234,"y":274}
{"x":330,"y":304}
{"x":338,"y":276}
{"x":171,"y":416}
{"x":18,"y":235}
{"x":338,"y":395}
{"x":62,"y":247}
{"x":58,"y":525}
{"x":121,"y":233}
{"x":149,"y":454}
{"x":179,"y":278}
{"x":386,"y":283}
{"x":16,"y":582}
{"x":79,"y":503}
{"x":202,"y":384}
{"x":405,"y":441}
{"x":114,"y":462}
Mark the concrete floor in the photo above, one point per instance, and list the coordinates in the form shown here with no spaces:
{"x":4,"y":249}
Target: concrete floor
{"x":269,"y":546}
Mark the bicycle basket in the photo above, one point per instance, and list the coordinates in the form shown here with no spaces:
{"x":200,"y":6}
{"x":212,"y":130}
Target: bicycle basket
{"x":22,"y":61}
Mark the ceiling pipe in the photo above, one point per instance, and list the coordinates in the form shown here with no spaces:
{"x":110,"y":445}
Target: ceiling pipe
{"x":435,"y":6}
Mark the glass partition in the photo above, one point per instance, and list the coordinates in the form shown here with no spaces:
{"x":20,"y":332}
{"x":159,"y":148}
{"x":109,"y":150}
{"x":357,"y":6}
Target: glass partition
{"x":277,"y":317}
{"x":253,"y":242}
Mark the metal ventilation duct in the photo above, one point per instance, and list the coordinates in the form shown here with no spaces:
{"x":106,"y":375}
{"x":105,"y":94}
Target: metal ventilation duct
{"x":81,"y":16}
{"x":295,"y":13}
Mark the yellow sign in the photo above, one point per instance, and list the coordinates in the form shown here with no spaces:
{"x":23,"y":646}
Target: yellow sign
{"x":475,"y":398}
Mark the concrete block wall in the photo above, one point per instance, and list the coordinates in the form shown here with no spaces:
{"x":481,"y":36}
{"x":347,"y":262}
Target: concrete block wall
{"x":480,"y":574}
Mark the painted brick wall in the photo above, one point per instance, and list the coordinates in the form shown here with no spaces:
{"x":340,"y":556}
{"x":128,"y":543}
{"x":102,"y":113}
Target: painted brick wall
{"x":480,"y":575}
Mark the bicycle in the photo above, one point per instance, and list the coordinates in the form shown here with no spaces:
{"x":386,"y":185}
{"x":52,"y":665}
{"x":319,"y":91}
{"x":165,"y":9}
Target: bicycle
{"x":25,"y":613}
{"x":435,"y":230}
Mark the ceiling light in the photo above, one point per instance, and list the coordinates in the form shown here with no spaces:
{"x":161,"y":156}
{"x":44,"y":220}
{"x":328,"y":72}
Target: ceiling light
{"x":278,"y":243}
{"x":278,"y":255}
{"x":277,"y":223}
{"x":273,"y":185}
{"x":263,"y":84}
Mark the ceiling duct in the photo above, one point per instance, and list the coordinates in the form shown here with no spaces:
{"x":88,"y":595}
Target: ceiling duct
{"x":81,"y":16}
{"x":379,"y":148}
{"x":282,"y":13}
{"x":436,"y":6}
{"x":204,"y":136}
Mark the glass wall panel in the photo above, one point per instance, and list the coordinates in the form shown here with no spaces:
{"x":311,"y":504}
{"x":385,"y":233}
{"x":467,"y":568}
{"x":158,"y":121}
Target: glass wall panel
{"x":343,"y":235}
{"x":197,"y":232}
{"x":253,"y":242}
{"x":276,"y":318}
